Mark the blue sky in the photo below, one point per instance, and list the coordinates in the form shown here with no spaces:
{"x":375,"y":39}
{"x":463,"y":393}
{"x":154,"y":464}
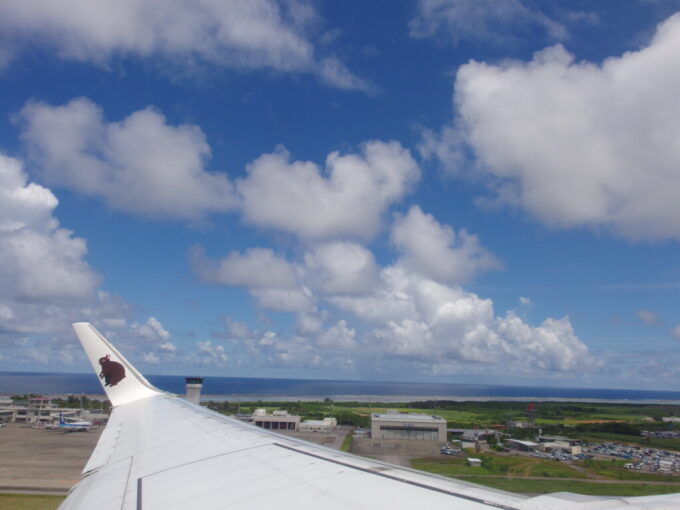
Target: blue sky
{"x":436,"y":190}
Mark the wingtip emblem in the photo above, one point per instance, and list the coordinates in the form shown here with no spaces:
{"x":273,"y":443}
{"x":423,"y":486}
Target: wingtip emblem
{"x":112,"y":371}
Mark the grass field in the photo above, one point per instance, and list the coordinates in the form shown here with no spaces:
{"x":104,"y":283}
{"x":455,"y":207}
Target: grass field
{"x":614,"y":470}
{"x":535,"y":475}
{"x":29,"y":502}
{"x":581,"y":487}
{"x":347,"y":442}
{"x":586,"y":421}
{"x":497,"y":465}
{"x":570,"y":418}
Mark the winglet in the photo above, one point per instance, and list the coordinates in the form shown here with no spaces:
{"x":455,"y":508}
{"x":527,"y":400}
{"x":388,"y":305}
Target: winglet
{"x":121,"y":381}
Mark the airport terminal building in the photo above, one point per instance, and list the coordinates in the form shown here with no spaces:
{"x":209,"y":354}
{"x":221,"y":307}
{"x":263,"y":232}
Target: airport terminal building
{"x":408,"y":426}
{"x":41,"y":411}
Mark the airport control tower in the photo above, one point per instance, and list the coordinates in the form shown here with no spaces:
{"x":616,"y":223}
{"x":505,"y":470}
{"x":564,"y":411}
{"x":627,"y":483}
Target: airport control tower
{"x":194,"y":385}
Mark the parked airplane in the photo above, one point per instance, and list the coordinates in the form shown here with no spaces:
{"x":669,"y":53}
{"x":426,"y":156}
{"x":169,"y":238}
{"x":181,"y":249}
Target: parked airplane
{"x":74,"y":426}
{"x":160,"y":452}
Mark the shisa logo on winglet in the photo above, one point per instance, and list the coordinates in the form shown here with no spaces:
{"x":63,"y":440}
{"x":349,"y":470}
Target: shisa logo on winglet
{"x":112,"y":371}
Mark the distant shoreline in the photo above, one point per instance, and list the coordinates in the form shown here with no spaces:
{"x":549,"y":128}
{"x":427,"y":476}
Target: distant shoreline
{"x":395,"y":399}
{"x":240,"y":388}
{"x":421,"y":398}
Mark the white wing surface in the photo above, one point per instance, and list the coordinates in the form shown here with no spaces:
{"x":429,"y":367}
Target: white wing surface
{"x":159,"y":452}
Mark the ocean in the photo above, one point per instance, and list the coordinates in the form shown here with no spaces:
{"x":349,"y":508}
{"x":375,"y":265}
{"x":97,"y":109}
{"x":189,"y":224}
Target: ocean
{"x":226,"y":388}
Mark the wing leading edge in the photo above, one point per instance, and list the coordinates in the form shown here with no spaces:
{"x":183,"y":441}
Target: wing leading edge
{"x":161,"y":452}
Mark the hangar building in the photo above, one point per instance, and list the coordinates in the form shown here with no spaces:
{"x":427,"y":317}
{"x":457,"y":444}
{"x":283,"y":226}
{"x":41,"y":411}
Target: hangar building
{"x":408,"y":426}
{"x":278,"y":420}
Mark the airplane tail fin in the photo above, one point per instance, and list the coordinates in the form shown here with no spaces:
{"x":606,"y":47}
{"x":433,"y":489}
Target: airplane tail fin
{"x":121,"y":381}
{"x":61,"y":419}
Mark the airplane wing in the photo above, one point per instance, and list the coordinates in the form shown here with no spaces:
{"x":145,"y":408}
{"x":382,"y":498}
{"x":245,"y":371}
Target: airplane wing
{"x":160,"y":452}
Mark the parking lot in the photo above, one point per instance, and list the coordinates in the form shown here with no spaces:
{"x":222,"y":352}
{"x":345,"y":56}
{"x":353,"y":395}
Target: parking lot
{"x":643,"y":459}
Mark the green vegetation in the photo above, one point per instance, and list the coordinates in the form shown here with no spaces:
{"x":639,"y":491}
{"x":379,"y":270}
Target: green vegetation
{"x":614,"y":470}
{"x":351,"y":413}
{"x":648,"y":442}
{"x":347,"y":442}
{"x":29,"y":502}
{"x":500,"y":465}
{"x":620,"y":423}
{"x":70,"y":401}
{"x":586,"y":421}
{"x":526,"y":485}
{"x":75,"y":401}
{"x":535,"y":475}
{"x":495,"y":443}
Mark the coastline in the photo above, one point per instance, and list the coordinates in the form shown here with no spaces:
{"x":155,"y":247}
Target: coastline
{"x":396,"y":399}
{"x":286,"y":390}
{"x":420,"y":398}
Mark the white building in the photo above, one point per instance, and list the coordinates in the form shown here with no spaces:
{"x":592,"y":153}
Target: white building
{"x":40,"y":410}
{"x":665,"y":466}
{"x":562,"y":446}
{"x":278,"y":420}
{"x":326,"y":425}
{"x":524,"y":446}
{"x":408,"y":426}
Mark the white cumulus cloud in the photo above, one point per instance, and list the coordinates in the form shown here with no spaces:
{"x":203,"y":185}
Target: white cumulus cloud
{"x":257,"y":268}
{"x":140,"y":165}
{"x":235,"y":329}
{"x":150,"y":357}
{"x":346,"y":198}
{"x":167,"y":347}
{"x":209,"y":354}
{"x":43,"y":325}
{"x":578,"y":143}
{"x":648,"y":317}
{"x":488,"y":21}
{"x":237,"y":34}
{"x":46,"y":282}
{"x":22,"y":204}
{"x":271,"y":279}
{"x":309,"y":323}
{"x":152,"y":330}
{"x":334,"y":72}
{"x":341,"y":268}
{"x":39,"y":260}
{"x":675,"y":332}
{"x":417,"y":318}
{"x":413,"y":312}
{"x":150,"y":339}
{"x":323,"y":348}
{"x":339,"y":336}
{"x":436,"y":251}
